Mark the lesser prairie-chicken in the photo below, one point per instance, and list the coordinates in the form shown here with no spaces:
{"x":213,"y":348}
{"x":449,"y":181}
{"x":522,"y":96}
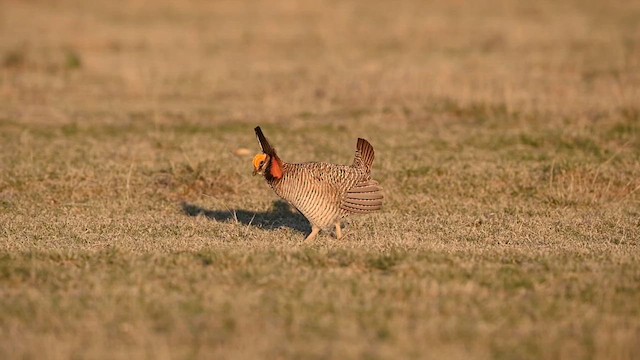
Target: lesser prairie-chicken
{"x":324,"y":193}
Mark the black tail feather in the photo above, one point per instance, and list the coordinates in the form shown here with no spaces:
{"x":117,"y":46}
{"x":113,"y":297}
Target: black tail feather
{"x":264,"y":143}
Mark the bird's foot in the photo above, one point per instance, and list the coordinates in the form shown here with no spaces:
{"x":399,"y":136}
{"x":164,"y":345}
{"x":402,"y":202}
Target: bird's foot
{"x":312,"y":236}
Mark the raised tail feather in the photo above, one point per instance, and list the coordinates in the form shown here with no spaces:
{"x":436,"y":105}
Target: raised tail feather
{"x":364,"y":155}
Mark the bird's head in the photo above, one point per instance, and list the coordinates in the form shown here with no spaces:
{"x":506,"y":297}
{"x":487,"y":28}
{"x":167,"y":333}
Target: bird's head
{"x":266,"y":163}
{"x":260,"y":162}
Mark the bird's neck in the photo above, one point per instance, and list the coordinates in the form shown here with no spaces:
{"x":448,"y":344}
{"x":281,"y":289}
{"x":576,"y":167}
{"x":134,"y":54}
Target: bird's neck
{"x":275,"y":171}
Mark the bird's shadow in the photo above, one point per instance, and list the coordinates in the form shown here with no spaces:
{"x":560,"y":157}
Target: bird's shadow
{"x":280,"y":215}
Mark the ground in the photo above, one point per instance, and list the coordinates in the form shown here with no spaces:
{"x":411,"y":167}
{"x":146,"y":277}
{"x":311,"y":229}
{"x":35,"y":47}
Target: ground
{"x":507,"y":138}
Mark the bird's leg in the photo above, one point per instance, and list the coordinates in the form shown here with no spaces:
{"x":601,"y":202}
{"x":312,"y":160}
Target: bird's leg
{"x":338,"y":231}
{"x":314,"y":233}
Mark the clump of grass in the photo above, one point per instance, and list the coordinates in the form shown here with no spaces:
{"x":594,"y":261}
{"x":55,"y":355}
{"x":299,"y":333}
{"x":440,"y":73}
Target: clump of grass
{"x":14,"y":59}
{"x":385,"y":262}
{"x":72,"y":60}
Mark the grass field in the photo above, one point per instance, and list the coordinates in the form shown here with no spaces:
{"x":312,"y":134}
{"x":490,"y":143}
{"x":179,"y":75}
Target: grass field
{"x":508,"y":143}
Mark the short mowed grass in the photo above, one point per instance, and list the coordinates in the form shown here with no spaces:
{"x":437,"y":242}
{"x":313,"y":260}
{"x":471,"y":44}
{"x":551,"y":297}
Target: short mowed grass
{"x":507,"y":137}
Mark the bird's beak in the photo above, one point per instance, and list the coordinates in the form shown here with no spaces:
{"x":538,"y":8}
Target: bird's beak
{"x":255,"y":172}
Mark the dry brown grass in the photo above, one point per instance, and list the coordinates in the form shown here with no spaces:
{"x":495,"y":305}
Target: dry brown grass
{"x":507,"y":137}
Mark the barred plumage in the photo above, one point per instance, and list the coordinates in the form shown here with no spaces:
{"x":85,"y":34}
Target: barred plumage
{"x":324,"y":193}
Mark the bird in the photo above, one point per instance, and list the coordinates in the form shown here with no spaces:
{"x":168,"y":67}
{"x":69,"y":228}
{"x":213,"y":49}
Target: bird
{"x":324,"y":193}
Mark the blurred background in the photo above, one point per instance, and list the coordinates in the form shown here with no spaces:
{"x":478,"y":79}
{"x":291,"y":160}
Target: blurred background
{"x":260,"y":61}
{"x":506,"y":136}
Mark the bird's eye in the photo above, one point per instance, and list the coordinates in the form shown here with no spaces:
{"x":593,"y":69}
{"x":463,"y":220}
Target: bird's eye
{"x":261,"y":162}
